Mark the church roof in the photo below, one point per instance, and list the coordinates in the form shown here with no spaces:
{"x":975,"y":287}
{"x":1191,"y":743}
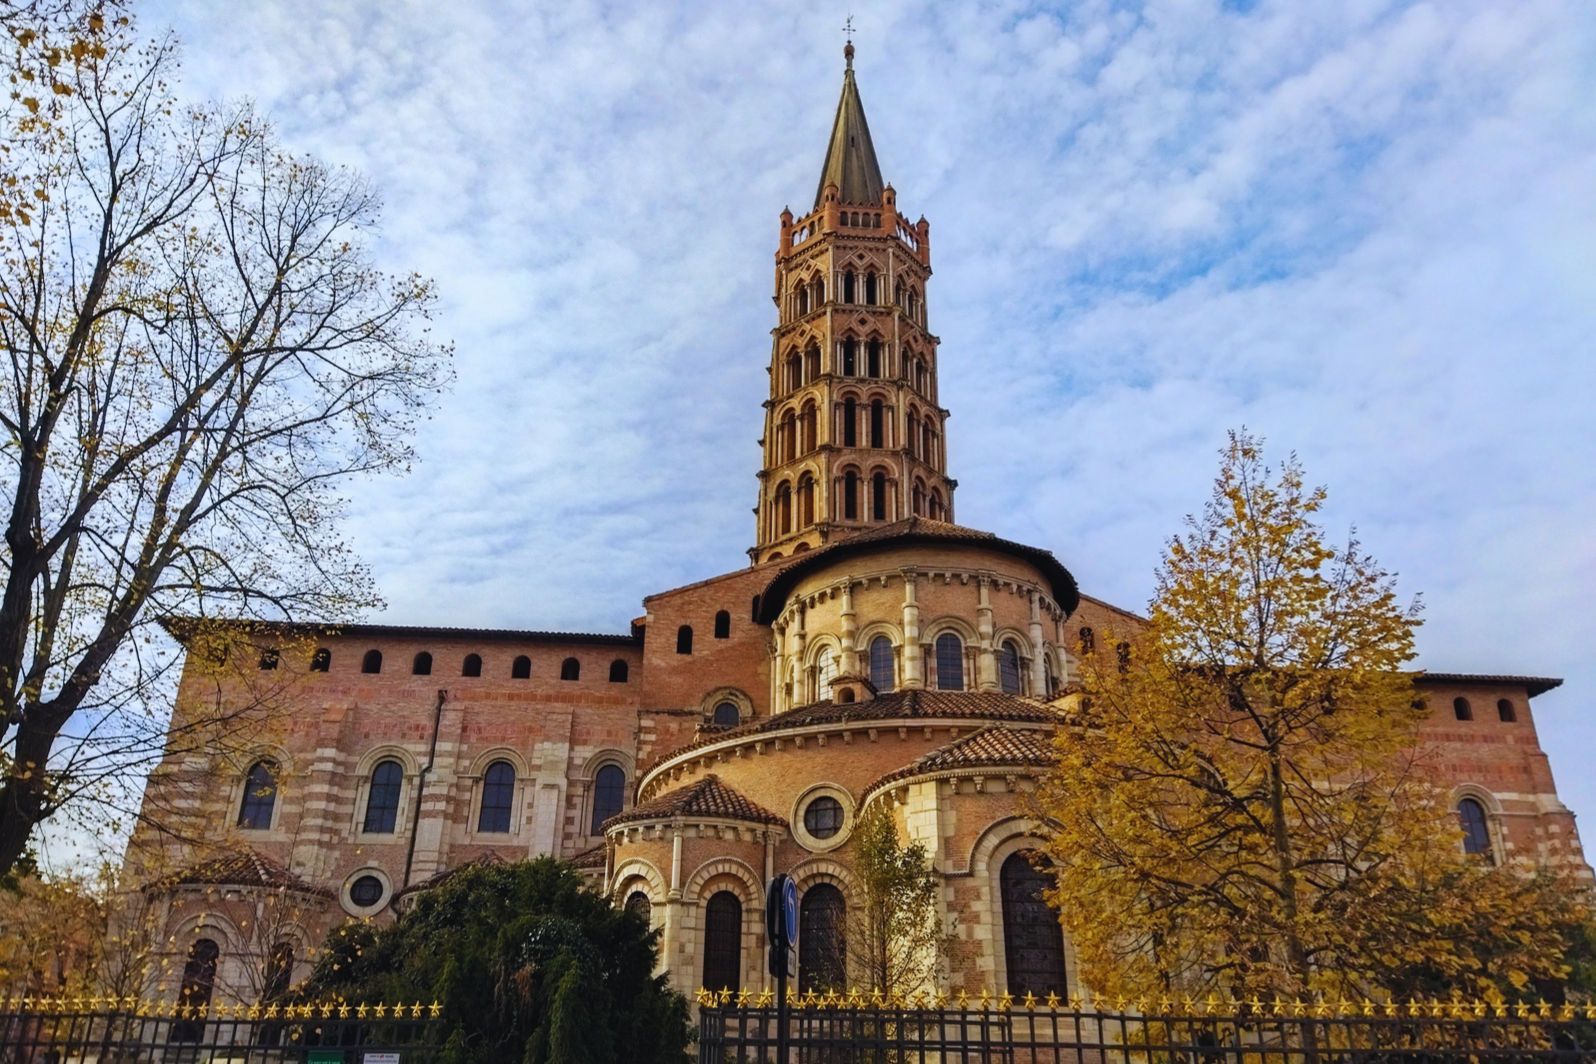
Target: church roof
{"x":996,"y":746}
{"x":239,"y":868}
{"x":1533,"y":685}
{"x":708,"y":797}
{"x":851,"y":157}
{"x":894,"y":705}
{"x":487,"y":860}
{"x":919,"y":530}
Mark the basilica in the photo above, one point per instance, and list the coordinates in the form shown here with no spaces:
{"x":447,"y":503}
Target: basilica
{"x":872,"y":653}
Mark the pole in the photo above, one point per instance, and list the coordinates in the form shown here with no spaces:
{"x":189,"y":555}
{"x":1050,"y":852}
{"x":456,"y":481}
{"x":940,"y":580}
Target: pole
{"x":781,"y":1013}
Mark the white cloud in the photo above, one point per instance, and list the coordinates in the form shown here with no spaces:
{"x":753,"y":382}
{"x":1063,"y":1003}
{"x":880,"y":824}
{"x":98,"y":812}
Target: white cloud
{"x":1363,"y":229}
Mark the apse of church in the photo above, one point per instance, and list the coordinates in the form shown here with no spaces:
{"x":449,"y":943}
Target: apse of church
{"x":873,"y":655}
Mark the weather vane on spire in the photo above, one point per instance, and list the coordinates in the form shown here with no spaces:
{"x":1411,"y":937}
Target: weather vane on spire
{"x":847,"y":49}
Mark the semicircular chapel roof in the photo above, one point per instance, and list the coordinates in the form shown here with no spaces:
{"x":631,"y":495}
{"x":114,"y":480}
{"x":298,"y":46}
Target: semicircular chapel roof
{"x":912,"y":704}
{"x":995,"y":746}
{"x":706,"y":798}
{"x":913,"y":531}
{"x":238,"y":868}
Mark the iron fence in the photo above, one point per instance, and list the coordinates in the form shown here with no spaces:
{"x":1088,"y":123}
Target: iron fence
{"x":116,"y":1032}
{"x":854,"y":1029}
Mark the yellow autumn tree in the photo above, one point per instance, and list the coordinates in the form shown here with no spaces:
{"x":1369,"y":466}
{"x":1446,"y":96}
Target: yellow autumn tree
{"x":1239,"y":806}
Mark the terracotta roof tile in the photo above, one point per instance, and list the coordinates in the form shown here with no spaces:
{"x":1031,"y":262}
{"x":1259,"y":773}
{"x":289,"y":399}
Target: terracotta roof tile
{"x":708,"y":797}
{"x":894,"y":705}
{"x":239,"y":868}
{"x":486,"y":860}
{"x":592,"y":857}
{"x":995,"y":746}
{"x":913,"y":530}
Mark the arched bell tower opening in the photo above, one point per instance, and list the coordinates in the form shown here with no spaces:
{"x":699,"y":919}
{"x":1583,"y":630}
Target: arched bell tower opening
{"x":854,"y":435}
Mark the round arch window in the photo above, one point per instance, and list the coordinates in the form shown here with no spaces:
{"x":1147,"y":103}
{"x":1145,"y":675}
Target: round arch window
{"x":823,"y":817}
{"x":366,"y":891}
{"x":727,"y":715}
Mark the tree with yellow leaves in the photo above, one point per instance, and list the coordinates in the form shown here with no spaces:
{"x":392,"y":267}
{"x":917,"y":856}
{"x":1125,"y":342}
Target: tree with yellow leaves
{"x":1239,"y":805}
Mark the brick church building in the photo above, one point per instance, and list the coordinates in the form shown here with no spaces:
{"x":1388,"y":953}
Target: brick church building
{"x":873,"y":651}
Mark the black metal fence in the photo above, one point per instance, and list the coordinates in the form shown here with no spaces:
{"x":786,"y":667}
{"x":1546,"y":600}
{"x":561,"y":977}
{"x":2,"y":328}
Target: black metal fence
{"x":855,"y":1029}
{"x":97,"y":1031}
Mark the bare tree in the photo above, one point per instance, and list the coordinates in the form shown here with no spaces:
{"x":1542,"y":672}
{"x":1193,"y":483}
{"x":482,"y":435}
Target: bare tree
{"x":201,"y":355}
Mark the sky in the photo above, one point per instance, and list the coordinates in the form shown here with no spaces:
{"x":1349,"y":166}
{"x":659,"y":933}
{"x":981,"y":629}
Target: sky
{"x":1364,"y":230}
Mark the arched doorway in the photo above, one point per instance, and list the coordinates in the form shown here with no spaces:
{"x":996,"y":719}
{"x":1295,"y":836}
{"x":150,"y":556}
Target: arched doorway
{"x":1033,"y":943}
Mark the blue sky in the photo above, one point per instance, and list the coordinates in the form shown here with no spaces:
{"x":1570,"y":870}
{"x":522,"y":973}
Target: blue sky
{"x":1365,"y":230}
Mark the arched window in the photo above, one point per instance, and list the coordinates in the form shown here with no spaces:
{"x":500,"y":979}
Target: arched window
{"x":279,"y":970}
{"x":937,"y":509}
{"x":803,"y":299}
{"x":795,"y":372}
{"x":878,"y":423}
{"x":850,"y":496}
{"x":1461,"y":709}
{"x":194,"y":993}
{"x":726,"y":715}
{"x":878,"y":497}
{"x":372,"y":662}
{"x":806,"y":428}
{"x":472,"y":665}
{"x":1122,"y":656}
{"x":850,"y":357}
{"x":873,"y":358}
{"x":570,"y":669}
{"x":850,"y":423}
{"x":260,"y":796}
{"x":722,"y":624}
{"x":825,"y":672}
{"x":882,"y":666}
{"x":870,"y":288}
{"x":897,"y":292}
{"x":321,"y":661}
{"x":819,"y":292}
{"x":723,"y":942}
{"x":637,"y":902}
{"x":1088,"y":641}
{"x":609,"y":795}
{"x":1476,"y":831}
{"x":382,"y":797}
{"x":950,"y":662}
{"x":618,"y":671}
{"x":822,"y":960}
{"x":421,"y":664}
{"x":1052,"y":677}
{"x":783,"y":509}
{"x":684,"y":639}
{"x":1009,"y":667}
{"x":812,"y":367}
{"x":847,"y":287}
{"x":498,"y":795}
{"x":521,"y":668}
{"x":1033,"y":944}
{"x":1505,"y":711}
{"x":806,"y":501}
{"x":269,"y":658}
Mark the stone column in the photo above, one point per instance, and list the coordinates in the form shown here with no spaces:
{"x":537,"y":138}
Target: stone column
{"x":986,"y":677}
{"x":1038,"y":649}
{"x":850,"y":629}
{"x":913,"y":659}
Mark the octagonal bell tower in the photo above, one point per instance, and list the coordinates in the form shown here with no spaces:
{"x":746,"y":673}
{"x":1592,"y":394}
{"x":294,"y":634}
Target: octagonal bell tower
{"x":854,"y":435}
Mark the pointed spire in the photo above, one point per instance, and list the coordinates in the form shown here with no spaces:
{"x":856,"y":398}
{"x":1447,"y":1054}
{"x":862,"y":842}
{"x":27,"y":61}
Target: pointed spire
{"x":851,"y":157}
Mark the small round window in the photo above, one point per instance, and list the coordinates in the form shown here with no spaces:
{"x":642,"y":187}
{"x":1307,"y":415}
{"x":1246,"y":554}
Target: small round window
{"x":823,"y":817}
{"x":366,"y":891}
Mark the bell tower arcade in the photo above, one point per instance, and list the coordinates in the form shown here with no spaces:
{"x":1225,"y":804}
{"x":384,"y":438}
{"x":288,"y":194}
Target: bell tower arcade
{"x":854,"y":435}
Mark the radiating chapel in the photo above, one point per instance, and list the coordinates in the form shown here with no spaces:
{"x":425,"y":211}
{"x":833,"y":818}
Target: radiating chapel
{"x":873,"y":652}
